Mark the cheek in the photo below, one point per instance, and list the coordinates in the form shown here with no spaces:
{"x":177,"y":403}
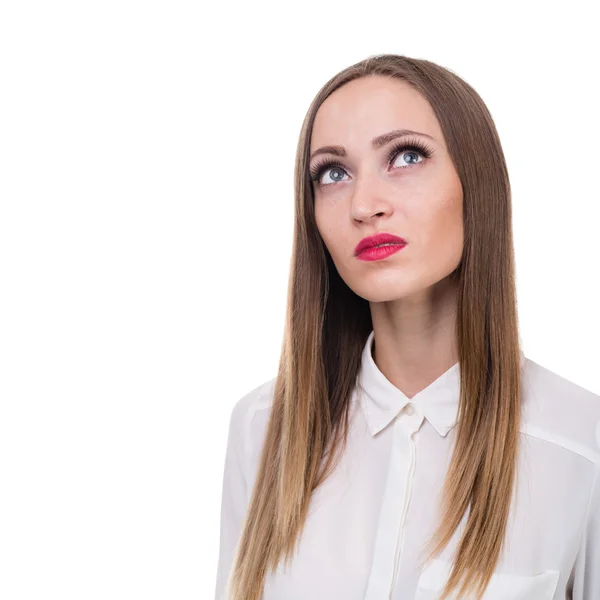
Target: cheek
{"x":326,"y":224}
{"x":321,"y":224}
{"x":443,"y":232}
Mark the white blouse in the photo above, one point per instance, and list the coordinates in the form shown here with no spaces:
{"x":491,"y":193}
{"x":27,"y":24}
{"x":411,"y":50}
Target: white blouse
{"x":369,"y":520}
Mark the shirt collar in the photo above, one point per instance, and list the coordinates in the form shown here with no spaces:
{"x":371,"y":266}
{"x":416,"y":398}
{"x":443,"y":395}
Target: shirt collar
{"x":381,"y":401}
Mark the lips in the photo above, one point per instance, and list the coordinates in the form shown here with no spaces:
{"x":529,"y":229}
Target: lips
{"x":377,"y":240}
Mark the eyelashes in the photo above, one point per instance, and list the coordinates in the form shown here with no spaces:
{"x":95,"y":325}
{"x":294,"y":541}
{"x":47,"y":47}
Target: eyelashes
{"x":414,"y":145}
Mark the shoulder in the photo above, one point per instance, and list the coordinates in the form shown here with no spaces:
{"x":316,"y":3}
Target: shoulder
{"x":248,"y":426}
{"x":252,"y":402}
{"x":560,"y":411}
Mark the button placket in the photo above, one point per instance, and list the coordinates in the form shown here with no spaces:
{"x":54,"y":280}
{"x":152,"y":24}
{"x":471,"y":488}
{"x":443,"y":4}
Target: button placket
{"x":410,"y":425}
{"x":387,"y":553}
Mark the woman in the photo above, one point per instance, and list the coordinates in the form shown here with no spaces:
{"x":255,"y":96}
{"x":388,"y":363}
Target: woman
{"x":407,"y":449}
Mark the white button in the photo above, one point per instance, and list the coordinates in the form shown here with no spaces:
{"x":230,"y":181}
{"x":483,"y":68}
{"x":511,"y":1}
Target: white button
{"x":410,"y":409}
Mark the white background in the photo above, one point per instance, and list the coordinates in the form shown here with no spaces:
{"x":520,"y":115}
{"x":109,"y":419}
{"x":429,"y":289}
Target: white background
{"x":146,"y":169}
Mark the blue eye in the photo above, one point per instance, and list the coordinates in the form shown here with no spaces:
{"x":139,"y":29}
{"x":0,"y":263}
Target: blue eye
{"x":414,"y":146}
{"x":330,"y":168}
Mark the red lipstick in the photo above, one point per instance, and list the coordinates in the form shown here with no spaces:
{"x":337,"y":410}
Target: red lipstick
{"x":379,"y":246}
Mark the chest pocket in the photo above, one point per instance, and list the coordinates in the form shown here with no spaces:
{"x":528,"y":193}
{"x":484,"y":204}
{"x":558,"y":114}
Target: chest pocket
{"x":502,"y":586}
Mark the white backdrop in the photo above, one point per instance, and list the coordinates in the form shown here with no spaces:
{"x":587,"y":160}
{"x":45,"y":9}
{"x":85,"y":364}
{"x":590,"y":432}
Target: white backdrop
{"x":146,"y":169}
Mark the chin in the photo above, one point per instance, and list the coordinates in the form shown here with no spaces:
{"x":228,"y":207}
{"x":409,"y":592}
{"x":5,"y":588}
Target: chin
{"x":380,"y":291}
{"x":382,"y":297}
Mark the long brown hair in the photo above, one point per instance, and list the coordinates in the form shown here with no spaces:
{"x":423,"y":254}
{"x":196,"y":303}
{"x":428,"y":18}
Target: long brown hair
{"x":326,"y":328}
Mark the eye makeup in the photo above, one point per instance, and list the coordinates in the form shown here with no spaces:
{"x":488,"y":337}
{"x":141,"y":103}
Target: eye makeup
{"x":414,"y":145}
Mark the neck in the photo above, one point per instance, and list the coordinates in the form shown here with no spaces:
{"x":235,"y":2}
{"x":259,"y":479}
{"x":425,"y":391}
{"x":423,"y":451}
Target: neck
{"x":415,"y":337}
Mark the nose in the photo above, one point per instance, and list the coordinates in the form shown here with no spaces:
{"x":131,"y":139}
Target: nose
{"x":370,"y":198}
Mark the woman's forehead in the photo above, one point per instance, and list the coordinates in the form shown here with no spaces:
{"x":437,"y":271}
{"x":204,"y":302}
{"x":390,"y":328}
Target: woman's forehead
{"x":368,"y":107}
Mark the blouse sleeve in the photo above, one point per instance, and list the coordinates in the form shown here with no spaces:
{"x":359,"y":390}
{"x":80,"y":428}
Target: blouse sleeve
{"x":586,"y":571}
{"x":233,"y":496}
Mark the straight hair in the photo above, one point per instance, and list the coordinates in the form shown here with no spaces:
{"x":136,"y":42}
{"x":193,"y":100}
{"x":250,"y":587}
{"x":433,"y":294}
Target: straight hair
{"x":326,"y":328}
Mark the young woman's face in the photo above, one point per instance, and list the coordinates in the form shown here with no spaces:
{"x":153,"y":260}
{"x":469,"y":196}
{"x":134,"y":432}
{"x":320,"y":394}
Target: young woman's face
{"x":415,"y":197}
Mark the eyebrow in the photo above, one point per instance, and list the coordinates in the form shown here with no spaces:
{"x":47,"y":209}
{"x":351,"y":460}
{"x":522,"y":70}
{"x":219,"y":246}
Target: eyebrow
{"x":376,"y":143}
